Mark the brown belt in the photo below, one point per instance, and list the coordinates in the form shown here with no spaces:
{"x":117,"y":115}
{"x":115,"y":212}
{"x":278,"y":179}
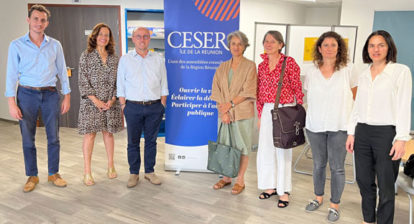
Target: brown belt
{"x":50,"y":88}
{"x":144,"y":102}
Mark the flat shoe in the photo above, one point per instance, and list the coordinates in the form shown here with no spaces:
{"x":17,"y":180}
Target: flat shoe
{"x":265,"y":195}
{"x":237,"y":189}
{"x":88,"y":179}
{"x":283,"y":204}
{"x":57,"y":180}
{"x":111,"y":173}
{"x":313,"y":205}
{"x":333,"y":215}
{"x":152,"y":178}
{"x":220,"y":184}
{"x":31,"y":183}
{"x":133,"y":180}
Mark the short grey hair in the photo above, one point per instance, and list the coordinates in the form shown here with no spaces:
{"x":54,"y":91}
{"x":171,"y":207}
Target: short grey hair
{"x":243,"y":39}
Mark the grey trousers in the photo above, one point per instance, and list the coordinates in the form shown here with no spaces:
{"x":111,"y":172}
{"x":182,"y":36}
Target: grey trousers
{"x":328,"y":147}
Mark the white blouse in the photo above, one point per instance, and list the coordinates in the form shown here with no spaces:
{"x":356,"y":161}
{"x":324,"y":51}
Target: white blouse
{"x":386,"y":100}
{"x":329,"y":100}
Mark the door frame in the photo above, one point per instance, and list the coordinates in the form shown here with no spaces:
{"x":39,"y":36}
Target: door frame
{"x":29,"y":5}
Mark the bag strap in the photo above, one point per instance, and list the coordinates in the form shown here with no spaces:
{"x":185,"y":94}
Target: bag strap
{"x":221,"y":127}
{"x":279,"y":85}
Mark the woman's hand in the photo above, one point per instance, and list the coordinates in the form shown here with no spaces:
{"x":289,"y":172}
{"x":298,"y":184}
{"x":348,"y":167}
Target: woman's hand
{"x":397,"y":150}
{"x":258,"y":124}
{"x":110,"y":103}
{"x":349,"y":145}
{"x":100,"y":105}
{"x":225,"y":118}
{"x":224,"y":107}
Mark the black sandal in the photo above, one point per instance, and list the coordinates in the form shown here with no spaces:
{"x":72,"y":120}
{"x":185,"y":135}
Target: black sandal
{"x":283,"y":204}
{"x":267,"y":195}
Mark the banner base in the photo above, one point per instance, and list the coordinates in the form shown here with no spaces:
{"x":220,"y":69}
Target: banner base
{"x":186,"y":158}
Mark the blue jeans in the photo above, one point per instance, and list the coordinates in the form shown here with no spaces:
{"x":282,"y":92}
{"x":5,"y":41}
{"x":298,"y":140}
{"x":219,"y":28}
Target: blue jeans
{"x":30,"y":102}
{"x":140,"y":118}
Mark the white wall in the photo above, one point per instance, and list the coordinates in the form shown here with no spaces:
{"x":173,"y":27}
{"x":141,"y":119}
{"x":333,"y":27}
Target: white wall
{"x":269,"y":11}
{"x":13,"y":21}
{"x":361,"y":13}
{"x":322,"y":16}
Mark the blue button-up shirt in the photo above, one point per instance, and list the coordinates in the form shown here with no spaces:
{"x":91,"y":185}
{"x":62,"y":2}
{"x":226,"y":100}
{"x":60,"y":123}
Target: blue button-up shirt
{"x":142,"y":78}
{"x":35,"y":66}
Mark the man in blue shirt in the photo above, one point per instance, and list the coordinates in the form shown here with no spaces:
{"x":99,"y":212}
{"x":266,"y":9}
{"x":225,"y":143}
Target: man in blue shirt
{"x":142,"y":90}
{"x":33,"y":62}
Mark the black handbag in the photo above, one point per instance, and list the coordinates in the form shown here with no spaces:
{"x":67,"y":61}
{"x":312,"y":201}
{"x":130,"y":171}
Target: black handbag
{"x":288,"y":122}
{"x":409,"y":167}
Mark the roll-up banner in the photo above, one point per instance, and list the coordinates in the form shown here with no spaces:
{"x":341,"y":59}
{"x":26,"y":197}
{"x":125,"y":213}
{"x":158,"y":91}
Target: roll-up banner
{"x":195,"y":45}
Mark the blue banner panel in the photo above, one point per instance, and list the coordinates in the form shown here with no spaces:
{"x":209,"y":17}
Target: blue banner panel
{"x":195,"y":45}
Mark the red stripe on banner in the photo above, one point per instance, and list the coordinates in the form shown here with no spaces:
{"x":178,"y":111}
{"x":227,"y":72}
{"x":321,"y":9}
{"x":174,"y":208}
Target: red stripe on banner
{"x":221,"y":9}
{"x":201,"y":5}
{"x":196,"y":3}
{"x":237,"y":13}
{"x":211,"y":7}
{"x":215,"y":9}
{"x":232,"y":10}
{"x":227,"y":9}
{"x":205,"y":7}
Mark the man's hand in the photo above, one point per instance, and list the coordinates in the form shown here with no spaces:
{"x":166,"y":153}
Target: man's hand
{"x":122,"y":101}
{"x":14,"y":110}
{"x":397,"y":150}
{"x":349,"y":145}
{"x":64,"y":108}
{"x":164,"y":101}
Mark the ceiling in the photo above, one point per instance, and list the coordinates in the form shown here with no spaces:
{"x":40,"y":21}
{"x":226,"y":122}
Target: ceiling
{"x":315,"y":3}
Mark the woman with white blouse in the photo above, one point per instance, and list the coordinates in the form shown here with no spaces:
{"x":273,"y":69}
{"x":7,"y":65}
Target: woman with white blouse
{"x":330,"y":99}
{"x":380,"y":126}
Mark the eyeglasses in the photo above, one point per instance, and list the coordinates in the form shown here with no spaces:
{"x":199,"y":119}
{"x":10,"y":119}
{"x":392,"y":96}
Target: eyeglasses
{"x":145,"y":37}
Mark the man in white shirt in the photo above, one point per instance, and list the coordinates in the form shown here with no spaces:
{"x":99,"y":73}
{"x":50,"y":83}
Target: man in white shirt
{"x":142,"y":90}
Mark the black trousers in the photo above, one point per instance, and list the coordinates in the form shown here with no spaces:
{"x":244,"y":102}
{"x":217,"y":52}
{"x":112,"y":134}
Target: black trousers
{"x":372,"y":160}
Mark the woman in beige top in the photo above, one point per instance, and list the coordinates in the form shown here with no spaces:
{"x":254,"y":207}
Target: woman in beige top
{"x":234,"y":90}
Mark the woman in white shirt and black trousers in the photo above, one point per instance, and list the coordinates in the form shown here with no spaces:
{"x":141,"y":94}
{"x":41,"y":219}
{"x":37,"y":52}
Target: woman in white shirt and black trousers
{"x":380,"y":126}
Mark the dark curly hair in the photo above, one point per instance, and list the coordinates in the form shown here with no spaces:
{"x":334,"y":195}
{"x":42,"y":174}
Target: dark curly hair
{"x":341,"y":56}
{"x":110,"y":47}
{"x":392,"y":49}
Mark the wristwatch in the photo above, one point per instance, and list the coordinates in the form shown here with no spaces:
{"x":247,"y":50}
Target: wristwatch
{"x":232,"y":104}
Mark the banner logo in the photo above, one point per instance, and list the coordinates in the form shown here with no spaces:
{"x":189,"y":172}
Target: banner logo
{"x":219,"y":10}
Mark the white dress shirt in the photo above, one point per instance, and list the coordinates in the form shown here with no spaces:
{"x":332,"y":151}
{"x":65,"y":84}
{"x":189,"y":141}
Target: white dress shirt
{"x":386,"y":100}
{"x":329,"y":100}
{"x":142,"y":78}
